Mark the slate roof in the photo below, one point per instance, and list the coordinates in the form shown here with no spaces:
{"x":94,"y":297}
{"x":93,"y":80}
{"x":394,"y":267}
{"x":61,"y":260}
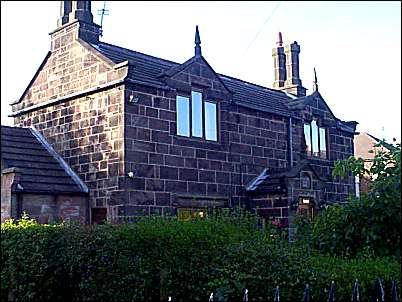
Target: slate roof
{"x":270,"y":178}
{"x":41,"y":172}
{"x":148,"y":69}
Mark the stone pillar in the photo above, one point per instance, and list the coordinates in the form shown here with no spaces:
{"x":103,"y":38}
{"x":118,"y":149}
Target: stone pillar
{"x":75,"y":22}
{"x":65,"y":10}
{"x":10,"y":179}
{"x":293,"y":83}
{"x":279,"y":64}
{"x":292,"y":64}
{"x":81,"y":10}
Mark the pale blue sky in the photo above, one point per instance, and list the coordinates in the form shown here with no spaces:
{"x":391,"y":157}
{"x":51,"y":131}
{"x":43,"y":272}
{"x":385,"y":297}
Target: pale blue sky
{"x":355,"y":46}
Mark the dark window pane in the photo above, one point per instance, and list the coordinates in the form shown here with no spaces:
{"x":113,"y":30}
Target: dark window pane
{"x":314,"y":131}
{"x":210,"y":121}
{"x":196,"y":112}
{"x":307,"y":138}
{"x":183,"y":116}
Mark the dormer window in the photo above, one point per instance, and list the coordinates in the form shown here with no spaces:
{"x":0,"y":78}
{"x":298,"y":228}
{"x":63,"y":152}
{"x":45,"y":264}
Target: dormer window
{"x":196,"y":117}
{"x":315,"y":140}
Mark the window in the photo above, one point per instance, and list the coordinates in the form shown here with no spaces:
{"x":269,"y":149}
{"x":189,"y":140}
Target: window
{"x":211,"y":132}
{"x":315,"y":140}
{"x":323,"y":148}
{"x":196,"y":114}
{"x":305,"y":181}
{"x":183,"y":116}
{"x":187,"y":214}
{"x":196,"y":117}
{"x":307,"y":137}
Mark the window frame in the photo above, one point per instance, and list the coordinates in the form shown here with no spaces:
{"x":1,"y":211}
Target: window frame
{"x":216,"y":119}
{"x":310,"y":153}
{"x":203,"y":101}
{"x":189,"y":116}
{"x":202,"y":114}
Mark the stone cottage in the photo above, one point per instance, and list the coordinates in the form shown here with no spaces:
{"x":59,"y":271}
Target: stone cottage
{"x":152,"y":136}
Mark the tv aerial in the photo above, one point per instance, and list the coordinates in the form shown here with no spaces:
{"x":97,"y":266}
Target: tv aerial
{"x":102,"y":12}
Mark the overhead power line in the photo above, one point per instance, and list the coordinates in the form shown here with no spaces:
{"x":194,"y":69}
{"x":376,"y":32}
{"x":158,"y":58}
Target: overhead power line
{"x":261,"y":28}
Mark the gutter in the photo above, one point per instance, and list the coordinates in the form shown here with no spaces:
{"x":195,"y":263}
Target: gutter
{"x":131,"y":81}
{"x":84,"y":93}
{"x":67,"y":97}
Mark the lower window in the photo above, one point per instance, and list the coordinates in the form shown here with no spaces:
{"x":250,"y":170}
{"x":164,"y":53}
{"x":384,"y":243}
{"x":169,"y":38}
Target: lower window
{"x":187,"y":214}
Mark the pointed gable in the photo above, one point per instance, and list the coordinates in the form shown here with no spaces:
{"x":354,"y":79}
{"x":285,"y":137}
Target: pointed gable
{"x":67,"y":73}
{"x":196,"y":72}
{"x":315,"y":105}
{"x":315,"y":102}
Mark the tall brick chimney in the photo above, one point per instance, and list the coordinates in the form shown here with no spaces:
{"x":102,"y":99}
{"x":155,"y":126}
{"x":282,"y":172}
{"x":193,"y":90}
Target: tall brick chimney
{"x":76,"y":21}
{"x":279,"y":63}
{"x":293,"y":83}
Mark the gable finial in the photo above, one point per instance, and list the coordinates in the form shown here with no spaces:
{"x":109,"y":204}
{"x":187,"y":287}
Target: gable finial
{"x":315,"y":83}
{"x":197,"y":42}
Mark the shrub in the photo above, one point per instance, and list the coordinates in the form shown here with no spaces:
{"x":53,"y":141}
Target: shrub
{"x":366,"y":226}
{"x":154,"y":258}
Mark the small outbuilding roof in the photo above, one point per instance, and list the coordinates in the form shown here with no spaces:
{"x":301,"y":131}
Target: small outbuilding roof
{"x":42,"y":170}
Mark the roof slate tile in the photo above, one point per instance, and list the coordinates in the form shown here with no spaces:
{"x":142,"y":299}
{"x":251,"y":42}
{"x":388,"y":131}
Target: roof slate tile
{"x":149,"y":69}
{"x":41,"y":172}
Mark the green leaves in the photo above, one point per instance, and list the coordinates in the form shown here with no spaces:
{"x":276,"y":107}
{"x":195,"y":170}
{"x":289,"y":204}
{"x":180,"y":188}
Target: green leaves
{"x":366,"y":226}
{"x":154,"y":258}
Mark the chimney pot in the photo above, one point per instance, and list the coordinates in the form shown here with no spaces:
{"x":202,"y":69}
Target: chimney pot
{"x":280,"y":42}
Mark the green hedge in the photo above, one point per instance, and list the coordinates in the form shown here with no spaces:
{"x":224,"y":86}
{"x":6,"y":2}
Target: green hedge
{"x":154,"y":258}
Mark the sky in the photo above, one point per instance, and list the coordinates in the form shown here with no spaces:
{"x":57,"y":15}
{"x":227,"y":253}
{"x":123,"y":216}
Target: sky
{"x":354,"y":46}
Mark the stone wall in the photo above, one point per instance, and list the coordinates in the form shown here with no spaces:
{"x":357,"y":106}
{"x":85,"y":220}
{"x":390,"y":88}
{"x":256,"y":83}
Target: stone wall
{"x":83,"y":120}
{"x":168,"y":168}
{"x":105,"y":128}
{"x":273,"y":206}
{"x":55,"y":208}
{"x":339,"y":146}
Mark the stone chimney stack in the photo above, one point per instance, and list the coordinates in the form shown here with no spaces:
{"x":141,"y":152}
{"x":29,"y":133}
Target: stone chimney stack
{"x":293,"y":83}
{"x":279,"y":63}
{"x":75,"y":22}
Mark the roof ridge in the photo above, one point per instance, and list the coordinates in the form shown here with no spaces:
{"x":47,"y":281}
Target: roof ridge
{"x":372,"y":136}
{"x":178,"y":64}
{"x":257,"y":85}
{"x":139,"y":53}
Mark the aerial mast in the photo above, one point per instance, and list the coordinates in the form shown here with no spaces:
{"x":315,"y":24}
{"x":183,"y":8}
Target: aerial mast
{"x":103,"y":12}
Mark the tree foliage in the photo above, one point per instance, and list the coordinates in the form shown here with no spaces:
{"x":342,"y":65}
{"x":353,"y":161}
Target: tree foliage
{"x":369,"y":225}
